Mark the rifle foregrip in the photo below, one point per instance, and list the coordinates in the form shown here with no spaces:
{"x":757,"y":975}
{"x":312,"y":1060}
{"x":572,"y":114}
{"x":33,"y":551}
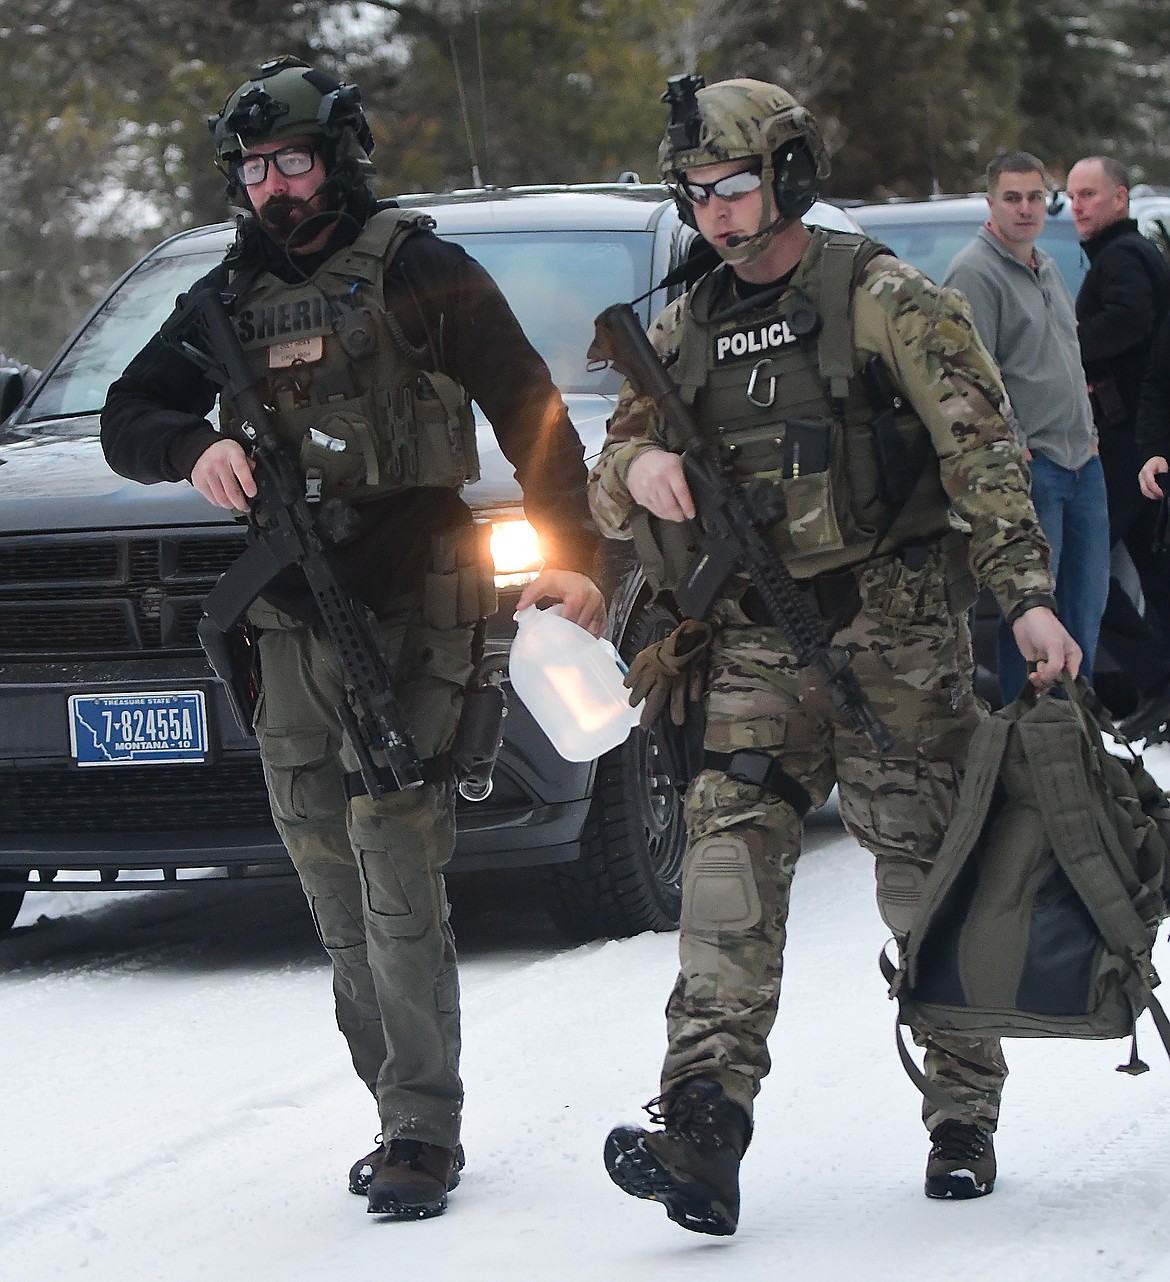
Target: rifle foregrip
{"x":621,"y":339}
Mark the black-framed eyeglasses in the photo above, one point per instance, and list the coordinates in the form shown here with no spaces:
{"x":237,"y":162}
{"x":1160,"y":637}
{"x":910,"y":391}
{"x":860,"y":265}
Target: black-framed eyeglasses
{"x":289,"y":161}
{"x":732,"y":187}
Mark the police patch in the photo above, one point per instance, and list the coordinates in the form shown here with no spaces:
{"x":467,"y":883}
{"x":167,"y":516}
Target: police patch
{"x":735,"y":344}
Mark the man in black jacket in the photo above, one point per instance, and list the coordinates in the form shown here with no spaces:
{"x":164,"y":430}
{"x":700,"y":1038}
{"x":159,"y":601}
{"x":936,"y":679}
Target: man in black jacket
{"x":1153,"y":416}
{"x":368,"y":337}
{"x":1120,"y":304}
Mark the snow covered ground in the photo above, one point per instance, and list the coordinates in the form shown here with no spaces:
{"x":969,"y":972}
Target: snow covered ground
{"x":177,"y":1105}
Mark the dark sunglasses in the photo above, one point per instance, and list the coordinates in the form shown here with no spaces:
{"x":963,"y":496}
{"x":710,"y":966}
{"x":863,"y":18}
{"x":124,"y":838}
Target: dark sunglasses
{"x":730,"y":188}
{"x":289,"y":161}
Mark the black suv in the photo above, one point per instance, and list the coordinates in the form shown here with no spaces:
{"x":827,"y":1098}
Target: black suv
{"x":120,"y":762}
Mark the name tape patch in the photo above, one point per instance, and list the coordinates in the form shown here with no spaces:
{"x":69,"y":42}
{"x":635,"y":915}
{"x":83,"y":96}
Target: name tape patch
{"x":751,"y":342}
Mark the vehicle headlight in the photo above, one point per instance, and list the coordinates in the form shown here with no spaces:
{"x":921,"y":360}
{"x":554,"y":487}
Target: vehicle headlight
{"x":516,"y":553}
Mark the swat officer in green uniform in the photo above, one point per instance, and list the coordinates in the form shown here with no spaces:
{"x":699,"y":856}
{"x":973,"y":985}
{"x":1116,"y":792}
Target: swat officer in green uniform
{"x":772,"y":350}
{"x":368,"y":336}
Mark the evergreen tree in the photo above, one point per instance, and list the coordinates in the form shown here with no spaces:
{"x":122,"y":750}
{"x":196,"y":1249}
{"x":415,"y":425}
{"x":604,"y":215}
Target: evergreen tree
{"x":524,"y":91}
{"x":105,"y":147}
{"x":1072,"y":99}
{"x":910,"y":93}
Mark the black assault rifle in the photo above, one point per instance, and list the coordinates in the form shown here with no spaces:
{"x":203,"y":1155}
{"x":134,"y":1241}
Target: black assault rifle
{"x":733,"y":519}
{"x":282,"y":533}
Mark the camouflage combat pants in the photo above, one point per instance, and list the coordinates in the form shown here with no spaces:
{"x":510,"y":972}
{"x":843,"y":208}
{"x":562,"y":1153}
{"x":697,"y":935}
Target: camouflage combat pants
{"x":371,"y":869}
{"x":913,"y":659}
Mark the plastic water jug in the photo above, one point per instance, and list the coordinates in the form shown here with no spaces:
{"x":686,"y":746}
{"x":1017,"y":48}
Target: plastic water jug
{"x":571,"y":682}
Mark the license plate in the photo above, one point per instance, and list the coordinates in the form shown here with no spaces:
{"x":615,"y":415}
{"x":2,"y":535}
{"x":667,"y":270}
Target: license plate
{"x":140,"y":729}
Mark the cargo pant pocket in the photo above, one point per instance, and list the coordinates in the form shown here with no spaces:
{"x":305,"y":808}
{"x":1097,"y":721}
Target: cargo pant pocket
{"x":899,"y":809}
{"x":399,"y":893}
{"x":303,"y":781}
{"x":447,"y":990}
{"x":333,"y":890}
{"x":904,"y":597}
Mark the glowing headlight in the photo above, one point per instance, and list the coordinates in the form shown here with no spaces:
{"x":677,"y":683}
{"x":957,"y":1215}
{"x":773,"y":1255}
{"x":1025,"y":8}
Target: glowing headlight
{"x":516,"y":552}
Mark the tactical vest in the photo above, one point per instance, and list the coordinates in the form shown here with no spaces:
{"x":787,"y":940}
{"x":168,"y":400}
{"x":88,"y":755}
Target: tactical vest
{"x":352,"y":400}
{"x":779,"y":388}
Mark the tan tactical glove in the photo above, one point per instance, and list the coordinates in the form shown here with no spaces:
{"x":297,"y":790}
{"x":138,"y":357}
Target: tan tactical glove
{"x":673,"y":669}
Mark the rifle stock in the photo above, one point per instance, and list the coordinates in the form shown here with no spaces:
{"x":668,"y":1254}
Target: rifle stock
{"x":733,"y":520}
{"x":283,"y":533}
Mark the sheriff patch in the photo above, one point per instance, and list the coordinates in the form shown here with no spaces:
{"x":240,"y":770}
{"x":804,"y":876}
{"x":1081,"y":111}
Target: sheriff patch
{"x":737,"y":343}
{"x":304,"y":317}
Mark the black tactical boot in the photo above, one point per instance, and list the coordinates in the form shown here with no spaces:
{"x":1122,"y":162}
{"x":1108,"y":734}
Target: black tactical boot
{"x":961,"y":1162}
{"x":362,"y":1171}
{"x":412,"y":1179}
{"x":692,"y":1165}
{"x":1149,"y":719}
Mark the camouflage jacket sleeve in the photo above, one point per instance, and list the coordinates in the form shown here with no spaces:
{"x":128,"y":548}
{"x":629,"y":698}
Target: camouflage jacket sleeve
{"x":634,"y":426}
{"x":927,"y":338}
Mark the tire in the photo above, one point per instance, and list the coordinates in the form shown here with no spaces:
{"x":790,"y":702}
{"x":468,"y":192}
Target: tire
{"x":629,"y":876}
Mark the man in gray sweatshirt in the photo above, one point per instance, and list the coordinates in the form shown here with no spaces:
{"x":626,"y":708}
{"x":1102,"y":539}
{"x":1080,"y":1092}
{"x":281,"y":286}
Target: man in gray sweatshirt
{"x":1025,"y":316}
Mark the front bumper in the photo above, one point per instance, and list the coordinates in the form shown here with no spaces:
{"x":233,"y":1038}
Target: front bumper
{"x":93,"y":827}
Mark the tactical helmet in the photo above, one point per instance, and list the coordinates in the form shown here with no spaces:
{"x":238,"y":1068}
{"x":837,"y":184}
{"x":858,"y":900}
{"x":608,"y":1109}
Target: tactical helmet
{"x":287,"y":98}
{"x":740,"y":120}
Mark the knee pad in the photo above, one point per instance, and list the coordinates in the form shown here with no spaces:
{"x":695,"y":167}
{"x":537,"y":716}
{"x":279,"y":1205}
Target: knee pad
{"x":899,"y":888}
{"x":719,"y":886}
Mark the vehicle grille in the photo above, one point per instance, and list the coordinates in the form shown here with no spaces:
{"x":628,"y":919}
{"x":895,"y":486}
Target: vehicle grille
{"x":134,"y":798}
{"x":108,"y":594}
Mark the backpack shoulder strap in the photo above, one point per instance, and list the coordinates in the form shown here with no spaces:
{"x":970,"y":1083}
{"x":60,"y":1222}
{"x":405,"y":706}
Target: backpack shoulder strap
{"x":976,"y":794}
{"x":1058,"y":749}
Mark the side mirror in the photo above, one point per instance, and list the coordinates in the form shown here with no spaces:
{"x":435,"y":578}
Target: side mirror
{"x":11,"y":391}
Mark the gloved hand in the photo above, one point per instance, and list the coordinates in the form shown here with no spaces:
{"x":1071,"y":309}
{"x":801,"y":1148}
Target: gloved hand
{"x":673,"y":669}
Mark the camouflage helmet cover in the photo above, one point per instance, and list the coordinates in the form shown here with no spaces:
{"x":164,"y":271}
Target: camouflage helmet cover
{"x":286,"y":98}
{"x":740,"y":119}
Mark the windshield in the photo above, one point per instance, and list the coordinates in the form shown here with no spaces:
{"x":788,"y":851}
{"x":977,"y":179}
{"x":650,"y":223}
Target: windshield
{"x":556,"y":282}
{"x":116,"y":334}
{"x":930,"y":246}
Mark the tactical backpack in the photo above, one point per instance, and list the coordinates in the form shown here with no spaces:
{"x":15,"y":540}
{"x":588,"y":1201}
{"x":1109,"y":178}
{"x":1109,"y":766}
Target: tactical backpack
{"x":1040,"y":913}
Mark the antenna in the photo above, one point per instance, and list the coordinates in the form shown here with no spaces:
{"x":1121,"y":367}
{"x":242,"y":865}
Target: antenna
{"x":475,"y":178}
{"x":483,"y":116}
{"x":931,"y":146}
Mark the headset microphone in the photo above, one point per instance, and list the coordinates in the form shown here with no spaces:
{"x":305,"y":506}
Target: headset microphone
{"x":733,"y":242}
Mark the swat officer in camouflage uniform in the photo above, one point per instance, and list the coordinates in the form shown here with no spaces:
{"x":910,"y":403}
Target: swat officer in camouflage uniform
{"x":768,"y":349}
{"x":368,"y":336}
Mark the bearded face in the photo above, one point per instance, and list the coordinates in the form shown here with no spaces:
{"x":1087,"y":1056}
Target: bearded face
{"x":293,"y":204}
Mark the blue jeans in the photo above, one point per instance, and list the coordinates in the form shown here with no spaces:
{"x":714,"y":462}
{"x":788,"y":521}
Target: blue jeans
{"x":1075,"y":519}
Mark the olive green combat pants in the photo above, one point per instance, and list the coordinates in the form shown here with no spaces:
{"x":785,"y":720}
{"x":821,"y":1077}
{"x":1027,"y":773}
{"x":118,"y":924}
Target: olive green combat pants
{"x":372,"y":869}
{"x":913,"y":659}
